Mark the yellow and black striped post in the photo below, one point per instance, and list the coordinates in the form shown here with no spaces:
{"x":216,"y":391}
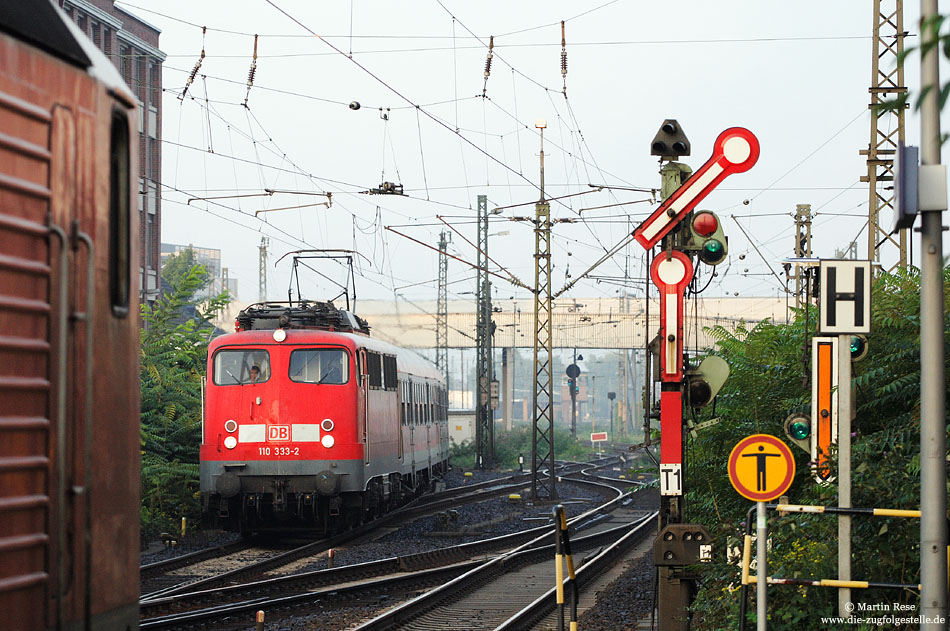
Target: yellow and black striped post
{"x":563,"y":551}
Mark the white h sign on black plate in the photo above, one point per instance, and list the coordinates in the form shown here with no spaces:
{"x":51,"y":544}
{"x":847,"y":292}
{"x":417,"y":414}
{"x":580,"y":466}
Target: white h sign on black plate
{"x":845,"y":302}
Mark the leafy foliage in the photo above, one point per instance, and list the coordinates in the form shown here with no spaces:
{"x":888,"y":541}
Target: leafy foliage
{"x":174,"y":352}
{"x":768,"y":382}
{"x":509,"y":445}
{"x":176,"y":267}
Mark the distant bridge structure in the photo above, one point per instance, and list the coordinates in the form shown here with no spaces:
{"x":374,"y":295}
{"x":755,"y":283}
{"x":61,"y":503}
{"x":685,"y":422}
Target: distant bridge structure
{"x":606,"y":323}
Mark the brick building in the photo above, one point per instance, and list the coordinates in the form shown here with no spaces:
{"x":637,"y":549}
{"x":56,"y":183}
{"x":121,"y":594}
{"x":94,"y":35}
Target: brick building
{"x":132,"y":45}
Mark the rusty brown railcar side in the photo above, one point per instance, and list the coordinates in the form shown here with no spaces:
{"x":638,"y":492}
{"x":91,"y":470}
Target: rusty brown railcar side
{"x":69,"y":454}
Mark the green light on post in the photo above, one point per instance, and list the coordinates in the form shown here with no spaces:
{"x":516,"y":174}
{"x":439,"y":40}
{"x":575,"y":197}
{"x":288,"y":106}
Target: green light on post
{"x":713,"y":251}
{"x":858,"y":347}
{"x":799,"y":430}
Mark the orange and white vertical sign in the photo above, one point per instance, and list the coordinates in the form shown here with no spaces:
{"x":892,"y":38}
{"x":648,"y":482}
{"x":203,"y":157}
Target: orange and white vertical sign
{"x":824,"y":404}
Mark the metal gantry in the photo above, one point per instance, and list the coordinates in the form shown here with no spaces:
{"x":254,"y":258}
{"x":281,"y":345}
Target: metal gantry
{"x":887,"y":129}
{"x":442,"y":311}
{"x":484,"y":421}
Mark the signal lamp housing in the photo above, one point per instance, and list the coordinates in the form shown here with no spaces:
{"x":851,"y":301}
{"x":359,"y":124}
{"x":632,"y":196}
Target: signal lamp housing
{"x":670,"y":142}
{"x":707,"y":239}
{"x":859,"y":347}
{"x":704,"y":383}
{"x":798,"y":430}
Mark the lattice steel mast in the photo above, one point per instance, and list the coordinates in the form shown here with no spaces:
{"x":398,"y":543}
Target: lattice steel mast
{"x":887,"y":129}
{"x":484,"y":423}
{"x":442,"y":315}
{"x":542,"y":440}
{"x":262,"y":270}
{"x":802,"y":274}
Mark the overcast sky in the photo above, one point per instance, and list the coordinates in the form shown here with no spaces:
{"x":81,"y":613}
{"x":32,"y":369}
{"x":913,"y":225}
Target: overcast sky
{"x":796,"y":74}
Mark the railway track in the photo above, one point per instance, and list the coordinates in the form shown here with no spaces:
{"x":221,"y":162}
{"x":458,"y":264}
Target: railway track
{"x":512,"y":591}
{"x":204,"y":566}
{"x":349,"y":588}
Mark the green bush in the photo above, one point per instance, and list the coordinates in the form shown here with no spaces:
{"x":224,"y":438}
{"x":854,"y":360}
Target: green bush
{"x":768,"y":381}
{"x":173,"y":355}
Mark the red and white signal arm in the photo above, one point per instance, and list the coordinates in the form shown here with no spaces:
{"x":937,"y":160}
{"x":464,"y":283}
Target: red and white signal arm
{"x":671,"y":272}
{"x":735,"y":150}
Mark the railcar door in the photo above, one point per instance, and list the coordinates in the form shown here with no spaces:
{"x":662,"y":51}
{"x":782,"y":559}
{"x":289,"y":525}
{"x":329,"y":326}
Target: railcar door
{"x":362,"y":403}
{"x":400,"y":405}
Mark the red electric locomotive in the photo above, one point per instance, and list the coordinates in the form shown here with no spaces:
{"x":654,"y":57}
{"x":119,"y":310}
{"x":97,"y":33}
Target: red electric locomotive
{"x":311,"y":423}
{"x":69,"y":330}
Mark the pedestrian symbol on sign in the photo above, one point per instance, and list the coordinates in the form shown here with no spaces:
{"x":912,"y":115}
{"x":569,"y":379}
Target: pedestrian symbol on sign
{"x":761,"y":467}
{"x":760,"y":462}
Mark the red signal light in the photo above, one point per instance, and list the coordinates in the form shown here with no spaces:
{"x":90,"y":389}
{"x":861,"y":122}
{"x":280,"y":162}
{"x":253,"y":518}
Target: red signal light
{"x":705,"y":223}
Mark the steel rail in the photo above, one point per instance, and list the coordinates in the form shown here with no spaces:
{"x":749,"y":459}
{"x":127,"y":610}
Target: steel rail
{"x":420,"y":506}
{"x":155,"y":606}
{"x":409,"y":581}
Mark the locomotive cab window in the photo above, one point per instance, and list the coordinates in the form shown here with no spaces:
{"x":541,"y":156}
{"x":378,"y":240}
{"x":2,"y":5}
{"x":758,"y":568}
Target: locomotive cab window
{"x":320,"y":366}
{"x":119,"y":215}
{"x":241,"y":367}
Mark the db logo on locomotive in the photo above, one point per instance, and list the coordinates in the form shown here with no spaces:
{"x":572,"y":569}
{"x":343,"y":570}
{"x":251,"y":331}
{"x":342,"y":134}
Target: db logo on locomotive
{"x":278,"y":432}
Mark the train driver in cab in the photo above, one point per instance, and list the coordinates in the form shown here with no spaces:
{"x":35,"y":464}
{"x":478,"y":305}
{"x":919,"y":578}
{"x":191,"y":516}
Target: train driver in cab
{"x":333,"y":372}
{"x":255,"y":374}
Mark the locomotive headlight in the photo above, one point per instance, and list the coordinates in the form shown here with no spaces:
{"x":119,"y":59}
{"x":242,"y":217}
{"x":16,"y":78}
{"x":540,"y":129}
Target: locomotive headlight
{"x":230,"y":425}
{"x":327,"y":441}
{"x":230,"y":442}
{"x":327,"y":425}
{"x":280,"y":335}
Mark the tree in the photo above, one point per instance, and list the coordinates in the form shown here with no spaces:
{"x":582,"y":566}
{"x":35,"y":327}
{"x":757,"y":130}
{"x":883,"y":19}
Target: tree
{"x":174,"y":354}
{"x":179,"y":265}
{"x":766,"y":384}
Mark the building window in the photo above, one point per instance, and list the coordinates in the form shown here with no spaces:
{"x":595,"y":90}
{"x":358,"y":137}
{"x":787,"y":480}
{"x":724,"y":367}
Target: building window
{"x":96,"y":35}
{"x":119,"y":215}
{"x":82,"y":23}
{"x":153,"y":159}
{"x":152,"y":121}
{"x":107,"y":41}
{"x":152,"y":198}
{"x":149,"y":235}
{"x":125,"y":61}
{"x":155,"y":84}
{"x":136,"y":81}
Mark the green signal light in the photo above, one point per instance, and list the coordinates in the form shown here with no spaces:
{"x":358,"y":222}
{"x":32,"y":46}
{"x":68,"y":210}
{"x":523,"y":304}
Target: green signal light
{"x":799,"y":430}
{"x":858,"y":347}
{"x":713,"y":247}
{"x":713,"y":252}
